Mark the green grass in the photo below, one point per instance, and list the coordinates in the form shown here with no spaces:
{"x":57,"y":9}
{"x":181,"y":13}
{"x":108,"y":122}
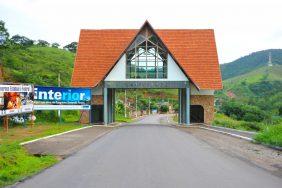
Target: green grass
{"x":267,"y":134}
{"x":225,"y":121}
{"x":271,"y":135}
{"x":121,"y":118}
{"x":15,"y":162}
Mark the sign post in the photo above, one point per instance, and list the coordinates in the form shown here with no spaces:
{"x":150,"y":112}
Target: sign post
{"x":6,"y":123}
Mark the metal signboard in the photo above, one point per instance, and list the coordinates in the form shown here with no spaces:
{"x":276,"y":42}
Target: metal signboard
{"x":16,"y":99}
{"x":61,"y":98}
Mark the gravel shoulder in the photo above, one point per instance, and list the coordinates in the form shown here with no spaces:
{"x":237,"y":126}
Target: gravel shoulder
{"x":256,"y":154}
{"x":67,"y":144}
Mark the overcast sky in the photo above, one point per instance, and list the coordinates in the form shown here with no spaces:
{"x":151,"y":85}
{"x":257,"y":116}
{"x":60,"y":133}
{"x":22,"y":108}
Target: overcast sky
{"x":241,"y":26}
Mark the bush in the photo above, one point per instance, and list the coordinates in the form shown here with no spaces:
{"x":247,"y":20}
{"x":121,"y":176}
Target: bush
{"x":271,"y":135}
{"x":225,"y":121}
{"x":243,"y":111}
{"x":164,"y":108}
{"x":119,"y":107}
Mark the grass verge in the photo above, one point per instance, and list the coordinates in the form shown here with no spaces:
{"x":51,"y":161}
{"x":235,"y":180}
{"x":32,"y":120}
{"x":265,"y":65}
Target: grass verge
{"x":271,"y":135}
{"x":15,"y":162}
{"x":121,"y":118}
{"x":225,"y":121}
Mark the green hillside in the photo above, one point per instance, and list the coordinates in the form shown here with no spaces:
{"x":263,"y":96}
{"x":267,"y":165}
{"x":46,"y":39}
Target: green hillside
{"x":250,"y":62}
{"x":261,"y":88}
{"x":37,"y":65}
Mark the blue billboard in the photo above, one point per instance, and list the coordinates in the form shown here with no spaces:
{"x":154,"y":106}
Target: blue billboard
{"x":62,"y":95}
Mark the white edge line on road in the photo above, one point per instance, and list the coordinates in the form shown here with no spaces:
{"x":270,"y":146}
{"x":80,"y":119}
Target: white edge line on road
{"x":241,"y":131}
{"x":50,"y":136}
{"x":231,"y":134}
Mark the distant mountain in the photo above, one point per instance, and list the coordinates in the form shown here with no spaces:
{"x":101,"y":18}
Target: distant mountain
{"x":250,"y":62}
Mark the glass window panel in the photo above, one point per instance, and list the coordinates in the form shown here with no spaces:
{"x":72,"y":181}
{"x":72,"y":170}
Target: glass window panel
{"x":140,"y":39}
{"x":160,"y":63}
{"x":142,"y":63}
{"x":132,"y":74}
{"x":141,"y":75}
{"x":154,"y":39}
{"x":142,"y":58}
{"x":151,"y":69}
{"x":151,"y":63}
{"x":146,"y":62}
{"x":141,"y":69}
{"x":151,"y":75}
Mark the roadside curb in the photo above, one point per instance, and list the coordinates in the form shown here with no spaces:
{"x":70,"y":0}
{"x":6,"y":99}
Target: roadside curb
{"x":226,"y":133}
{"x":50,"y":136}
{"x":225,"y":128}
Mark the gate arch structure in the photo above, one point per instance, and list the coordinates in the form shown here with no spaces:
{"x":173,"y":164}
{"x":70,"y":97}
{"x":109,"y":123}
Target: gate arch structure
{"x":182,"y":59}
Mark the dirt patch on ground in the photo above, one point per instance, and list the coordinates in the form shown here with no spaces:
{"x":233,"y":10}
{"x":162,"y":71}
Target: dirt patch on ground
{"x":256,"y":154}
{"x":67,"y":144}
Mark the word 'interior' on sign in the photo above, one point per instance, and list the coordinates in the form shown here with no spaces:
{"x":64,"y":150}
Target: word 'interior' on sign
{"x":58,"y":96}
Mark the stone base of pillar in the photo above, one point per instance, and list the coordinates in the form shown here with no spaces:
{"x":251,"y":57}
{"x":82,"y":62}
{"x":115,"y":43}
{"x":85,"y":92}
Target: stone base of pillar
{"x":84,"y":117}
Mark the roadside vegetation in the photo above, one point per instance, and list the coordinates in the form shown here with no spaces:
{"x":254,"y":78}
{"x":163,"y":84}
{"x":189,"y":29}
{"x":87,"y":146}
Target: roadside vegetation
{"x":270,"y":135}
{"x":15,"y":162}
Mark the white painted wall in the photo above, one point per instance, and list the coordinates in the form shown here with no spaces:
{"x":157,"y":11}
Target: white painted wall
{"x":118,"y":73}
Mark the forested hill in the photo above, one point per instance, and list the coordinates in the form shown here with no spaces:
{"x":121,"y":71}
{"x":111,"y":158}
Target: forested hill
{"x":37,"y":65}
{"x":250,"y":62}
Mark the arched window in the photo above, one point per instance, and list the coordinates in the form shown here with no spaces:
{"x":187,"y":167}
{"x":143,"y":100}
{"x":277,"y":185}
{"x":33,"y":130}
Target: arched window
{"x":146,"y":57}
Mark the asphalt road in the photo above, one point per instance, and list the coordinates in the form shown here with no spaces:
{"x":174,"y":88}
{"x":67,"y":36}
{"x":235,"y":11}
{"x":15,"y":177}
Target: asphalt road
{"x":155,"y":119}
{"x":152,"y":156}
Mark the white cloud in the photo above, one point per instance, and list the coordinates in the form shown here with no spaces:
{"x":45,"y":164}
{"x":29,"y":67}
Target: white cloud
{"x":241,"y":26}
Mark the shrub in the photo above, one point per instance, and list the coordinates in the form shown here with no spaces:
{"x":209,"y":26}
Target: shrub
{"x":271,"y":135}
{"x":164,"y":108}
{"x":243,"y":111}
{"x":225,"y":121}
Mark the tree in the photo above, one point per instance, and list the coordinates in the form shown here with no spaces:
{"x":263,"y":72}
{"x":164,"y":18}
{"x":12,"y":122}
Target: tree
{"x":4,"y":35}
{"x":42,"y":43}
{"x":55,"y":45}
{"x":22,"y":40}
{"x":71,"y":47}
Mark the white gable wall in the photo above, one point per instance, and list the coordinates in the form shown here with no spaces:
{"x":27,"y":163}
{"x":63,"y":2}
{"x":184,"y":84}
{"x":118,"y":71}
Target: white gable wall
{"x":174,"y":73}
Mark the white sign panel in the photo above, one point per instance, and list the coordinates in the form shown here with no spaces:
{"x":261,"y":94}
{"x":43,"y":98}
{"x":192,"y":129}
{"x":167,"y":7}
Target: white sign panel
{"x":62,"y":107}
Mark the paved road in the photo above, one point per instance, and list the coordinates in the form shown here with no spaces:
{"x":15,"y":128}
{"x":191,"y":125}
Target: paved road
{"x":155,"y":119}
{"x":152,"y":156}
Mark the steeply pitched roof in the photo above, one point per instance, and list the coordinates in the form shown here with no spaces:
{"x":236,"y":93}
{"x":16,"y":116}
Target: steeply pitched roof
{"x":194,"y":50}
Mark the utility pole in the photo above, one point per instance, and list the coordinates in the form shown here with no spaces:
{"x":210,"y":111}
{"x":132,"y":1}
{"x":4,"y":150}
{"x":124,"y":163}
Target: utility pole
{"x":149,"y":105}
{"x":125,"y":103}
{"x":59,"y":84}
{"x":136,"y":114}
